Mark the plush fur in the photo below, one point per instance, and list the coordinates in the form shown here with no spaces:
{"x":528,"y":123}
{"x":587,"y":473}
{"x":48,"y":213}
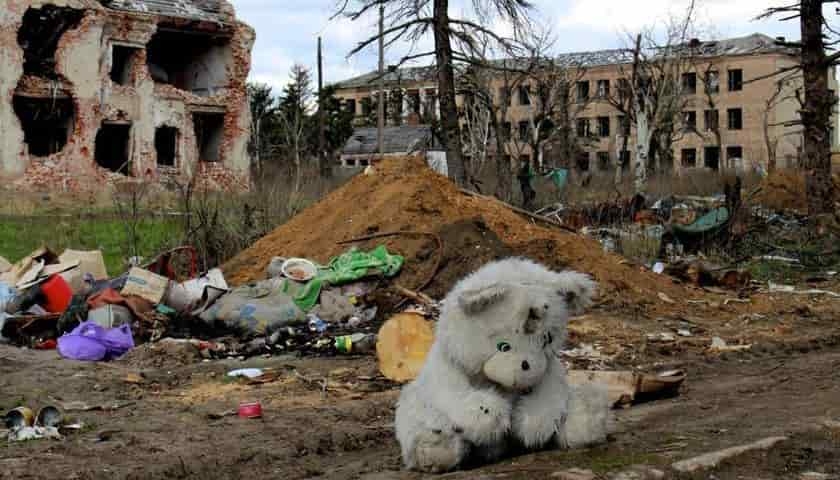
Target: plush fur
{"x":492,"y":377}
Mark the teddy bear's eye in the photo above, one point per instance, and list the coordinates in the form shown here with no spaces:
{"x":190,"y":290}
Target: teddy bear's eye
{"x":503,"y":346}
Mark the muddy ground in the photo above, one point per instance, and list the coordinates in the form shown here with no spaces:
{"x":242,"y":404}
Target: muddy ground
{"x":164,"y":408}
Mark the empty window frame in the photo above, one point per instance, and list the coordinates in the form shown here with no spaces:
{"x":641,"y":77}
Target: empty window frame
{"x":166,"y":146}
{"x":735,"y":117}
{"x":112,"y":147}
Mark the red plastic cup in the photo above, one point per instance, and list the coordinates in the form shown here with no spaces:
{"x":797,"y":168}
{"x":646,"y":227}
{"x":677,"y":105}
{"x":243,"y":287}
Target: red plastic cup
{"x":250,"y":410}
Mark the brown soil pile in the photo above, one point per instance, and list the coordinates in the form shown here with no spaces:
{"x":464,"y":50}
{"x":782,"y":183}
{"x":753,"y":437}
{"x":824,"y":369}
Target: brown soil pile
{"x":785,"y":190}
{"x":405,"y":195}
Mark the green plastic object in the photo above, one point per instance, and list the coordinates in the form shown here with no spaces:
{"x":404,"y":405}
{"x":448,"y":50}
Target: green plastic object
{"x":713,"y":220}
{"x":348,"y":267}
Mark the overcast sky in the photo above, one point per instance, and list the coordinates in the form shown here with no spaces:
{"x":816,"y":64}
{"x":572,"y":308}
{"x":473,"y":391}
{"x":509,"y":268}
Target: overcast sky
{"x":287,"y":30}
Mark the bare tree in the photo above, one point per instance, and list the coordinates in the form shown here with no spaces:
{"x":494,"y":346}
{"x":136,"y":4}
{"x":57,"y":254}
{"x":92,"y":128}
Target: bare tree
{"x":786,"y":89}
{"x":652,"y":100}
{"x":455,"y":40}
{"x":818,"y":99}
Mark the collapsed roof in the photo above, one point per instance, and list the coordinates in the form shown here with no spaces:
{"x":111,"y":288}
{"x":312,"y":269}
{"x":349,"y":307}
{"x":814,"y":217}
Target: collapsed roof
{"x":403,"y":139}
{"x":754,"y":44}
{"x":204,"y":10}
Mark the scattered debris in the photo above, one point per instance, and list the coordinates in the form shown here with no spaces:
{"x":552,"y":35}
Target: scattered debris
{"x":711,"y":460}
{"x":720,"y":345}
{"x":627,"y":388}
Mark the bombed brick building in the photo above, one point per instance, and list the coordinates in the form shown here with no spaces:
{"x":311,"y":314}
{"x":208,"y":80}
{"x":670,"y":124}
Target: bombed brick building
{"x":94,"y":91}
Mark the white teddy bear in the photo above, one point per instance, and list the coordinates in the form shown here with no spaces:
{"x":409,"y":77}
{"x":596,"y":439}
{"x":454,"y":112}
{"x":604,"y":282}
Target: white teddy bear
{"x":493,"y":379}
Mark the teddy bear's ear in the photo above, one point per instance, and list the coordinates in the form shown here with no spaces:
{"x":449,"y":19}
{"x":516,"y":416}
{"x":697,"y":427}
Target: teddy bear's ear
{"x":476,"y":301}
{"x":577,"y":289}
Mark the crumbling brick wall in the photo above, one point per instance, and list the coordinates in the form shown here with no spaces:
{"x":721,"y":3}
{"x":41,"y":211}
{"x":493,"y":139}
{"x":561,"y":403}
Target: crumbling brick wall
{"x":84,"y":57}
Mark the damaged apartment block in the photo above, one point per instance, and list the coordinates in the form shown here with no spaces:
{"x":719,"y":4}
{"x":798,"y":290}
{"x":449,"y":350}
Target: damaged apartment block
{"x":99,"y":91}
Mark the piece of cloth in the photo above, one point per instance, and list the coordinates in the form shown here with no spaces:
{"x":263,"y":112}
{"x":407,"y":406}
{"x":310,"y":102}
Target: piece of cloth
{"x":559,"y":176}
{"x":348,"y":267}
{"x":334,"y":307}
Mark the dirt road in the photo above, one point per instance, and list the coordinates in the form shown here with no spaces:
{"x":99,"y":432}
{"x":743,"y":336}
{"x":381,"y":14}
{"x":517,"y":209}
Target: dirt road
{"x":170,"y":423}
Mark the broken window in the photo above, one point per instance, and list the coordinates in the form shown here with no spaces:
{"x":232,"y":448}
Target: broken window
{"x":209,"y":128}
{"x":506,"y":129}
{"x":736,"y":120}
{"x":711,"y":120}
{"x":414,"y":101}
{"x":350,"y":105}
{"x":603,"y":160}
{"x":583,"y":91}
{"x":524,"y":94}
{"x":194,"y":61}
{"x":711,"y":157}
{"x":688,"y":157}
{"x":583,"y":161}
{"x":122,"y":63}
{"x":112,"y":150}
{"x":166,"y":146}
{"x":603,"y":88}
{"x":736,"y":80}
{"x":47,"y":123}
{"x":39,"y":34}
{"x":712,"y":81}
{"x":582,"y":127}
{"x":603,"y":127}
{"x":734,"y":154}
{"x":524,"y":130}
{"x":689,"y":121}
{"x":689,"y":83}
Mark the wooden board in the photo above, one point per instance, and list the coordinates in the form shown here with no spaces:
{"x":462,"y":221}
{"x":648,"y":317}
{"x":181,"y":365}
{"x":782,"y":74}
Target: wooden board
{"x":402,"y":345}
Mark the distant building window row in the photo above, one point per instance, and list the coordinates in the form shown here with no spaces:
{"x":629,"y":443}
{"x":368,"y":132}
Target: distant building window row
{"x":582,"y":90}
{"x":735,"y":120}
{"x":711,"y":156}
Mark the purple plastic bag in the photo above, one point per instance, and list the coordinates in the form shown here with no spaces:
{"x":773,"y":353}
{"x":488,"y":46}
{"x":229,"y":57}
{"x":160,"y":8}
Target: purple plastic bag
{"x":91,"y":342}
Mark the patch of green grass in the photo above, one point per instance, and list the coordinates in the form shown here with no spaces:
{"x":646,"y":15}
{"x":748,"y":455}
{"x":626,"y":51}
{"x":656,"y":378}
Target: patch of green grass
{"x":774,"y":271}
{"x":20,"y":235}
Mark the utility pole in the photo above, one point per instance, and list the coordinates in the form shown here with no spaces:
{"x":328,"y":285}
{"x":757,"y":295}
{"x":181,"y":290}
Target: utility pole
{"x":324,"y":167}
{"x":380,"y":103}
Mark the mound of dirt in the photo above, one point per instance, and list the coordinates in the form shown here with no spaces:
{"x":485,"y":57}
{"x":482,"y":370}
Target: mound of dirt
{"x":785,"y":190}
{"x":405,"y":195}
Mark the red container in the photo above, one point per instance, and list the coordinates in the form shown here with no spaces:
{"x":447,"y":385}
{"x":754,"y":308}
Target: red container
{"x":58,"y":294}
{"x":250,"y":410}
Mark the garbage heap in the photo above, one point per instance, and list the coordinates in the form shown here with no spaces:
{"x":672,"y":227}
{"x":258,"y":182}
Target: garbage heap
{"x":69,"y":302}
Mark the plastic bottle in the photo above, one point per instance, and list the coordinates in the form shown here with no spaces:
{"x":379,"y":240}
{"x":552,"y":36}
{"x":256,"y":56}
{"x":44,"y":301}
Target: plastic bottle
{"x":356,"y":343}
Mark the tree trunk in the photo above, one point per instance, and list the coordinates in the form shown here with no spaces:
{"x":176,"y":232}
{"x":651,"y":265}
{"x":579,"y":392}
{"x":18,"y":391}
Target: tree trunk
{"x":769,"y":143}
{"x":504,"y":184}
{"x":446,"y":93}
{"x":816,"y":113}
{"x":643,"y":136}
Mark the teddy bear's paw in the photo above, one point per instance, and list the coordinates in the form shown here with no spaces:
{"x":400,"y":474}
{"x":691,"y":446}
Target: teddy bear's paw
{"x":488,"y":417}
{"x":535,"y":431}
{"x":438,"y":451}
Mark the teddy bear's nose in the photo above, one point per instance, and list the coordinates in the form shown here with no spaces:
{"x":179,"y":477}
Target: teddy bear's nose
{"x":525,"y":365}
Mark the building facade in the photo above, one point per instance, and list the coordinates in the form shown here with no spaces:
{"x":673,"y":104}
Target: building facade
{"x":735,"y":114}
{"x":95,"y":92}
